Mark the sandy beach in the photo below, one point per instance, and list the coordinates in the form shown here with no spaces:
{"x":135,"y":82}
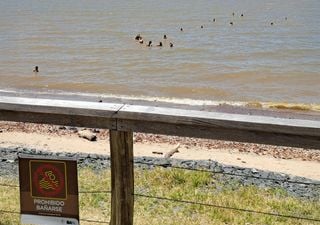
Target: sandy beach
{"x":293,"y":161}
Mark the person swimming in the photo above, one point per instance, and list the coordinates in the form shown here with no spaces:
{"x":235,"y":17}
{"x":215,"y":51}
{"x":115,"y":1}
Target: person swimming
{"x":231,"y":23}
{"x":149,"y":44}
{"x":181,"y":29}
{"x":242,"y":15}
{"x":160,"y":44}
{"x":271,"y":23}
{"x":201,"y":27}
{"x":171,"y":45}
{"x":214,"y":20}
{"x":138,"y":37}
{"x":36,"y":69}
{"x":141,"y":41}
{"x":165,"y":36}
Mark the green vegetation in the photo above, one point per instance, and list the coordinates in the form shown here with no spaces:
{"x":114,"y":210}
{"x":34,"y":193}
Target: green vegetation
{"x":177,"y":184}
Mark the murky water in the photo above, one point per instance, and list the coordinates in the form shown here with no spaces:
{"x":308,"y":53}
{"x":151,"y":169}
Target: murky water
{"x":88,"y":47}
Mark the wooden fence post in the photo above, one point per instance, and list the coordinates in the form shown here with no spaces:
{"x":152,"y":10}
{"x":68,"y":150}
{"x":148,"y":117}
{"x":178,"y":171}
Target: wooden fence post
{"x":121,"y":151}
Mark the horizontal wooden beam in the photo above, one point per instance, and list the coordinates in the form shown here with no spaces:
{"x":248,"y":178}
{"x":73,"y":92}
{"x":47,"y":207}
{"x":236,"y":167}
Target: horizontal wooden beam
{"x":226,"y":134}
{"x":219,"y":120}
{"x":159,"y":120}
{"x":63,"y":107}
{"x":221,"y":126}
{"x":59,"y":112}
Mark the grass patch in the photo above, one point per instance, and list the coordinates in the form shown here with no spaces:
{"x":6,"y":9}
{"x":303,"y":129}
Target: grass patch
{"x":177,"y":184}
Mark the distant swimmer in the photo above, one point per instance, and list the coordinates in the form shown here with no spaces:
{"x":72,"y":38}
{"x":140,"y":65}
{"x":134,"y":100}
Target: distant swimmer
{"x":214,"y":20}
{"x":165,"y":36}
{"x":141,"y":41}
{"x":149,"y":44}
{"x":242,"y":15}
{"x":231,"y":23}
{"x":271,"y":23}
{"x":160,"y":44}
{"x":233,"y":14}
{"x":171,"y":45}
{"x":181,"y":29}
{"x":36,"y":69}
{"x":138,"y":37}
{"x":201,"y":27}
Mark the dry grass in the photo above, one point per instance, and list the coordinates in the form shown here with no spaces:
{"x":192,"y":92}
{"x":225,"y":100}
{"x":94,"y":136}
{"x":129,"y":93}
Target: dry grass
{"x":178,"y":184}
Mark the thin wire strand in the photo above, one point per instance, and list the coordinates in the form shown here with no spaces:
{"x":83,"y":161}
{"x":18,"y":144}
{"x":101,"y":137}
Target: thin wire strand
{"x":228,"y":208}
{"x":86,"y":220}
{"x":198,"y":203}
{"x":81,"y":192}
{"x":216,"y":172}
{"x":94,"y":192}
{"x":9,"y":212}
{"x":9,"y":185}
{"x":93,"y":221}
{"x":226,"y":173}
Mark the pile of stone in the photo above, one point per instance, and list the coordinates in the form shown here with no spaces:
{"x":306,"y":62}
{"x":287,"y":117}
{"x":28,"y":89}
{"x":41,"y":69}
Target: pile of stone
{"x":227,"y":176}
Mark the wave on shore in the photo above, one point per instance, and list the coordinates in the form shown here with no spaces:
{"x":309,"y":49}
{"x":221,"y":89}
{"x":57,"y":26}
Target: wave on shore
{"x":165,"y":100}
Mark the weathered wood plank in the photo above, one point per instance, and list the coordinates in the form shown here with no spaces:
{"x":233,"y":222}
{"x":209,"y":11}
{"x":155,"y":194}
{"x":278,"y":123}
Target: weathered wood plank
{"x":220,"y":133}
{"x":59,"y":112}
{"x":122,"y":184}
{"x":218,"y":120}
{"x":59,"y":119}
{"x":223,"y":126}
{"x":54,"y":106}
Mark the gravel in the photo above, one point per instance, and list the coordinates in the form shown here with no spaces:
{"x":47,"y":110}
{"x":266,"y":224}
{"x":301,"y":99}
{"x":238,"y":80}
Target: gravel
{"x":229,"y":176}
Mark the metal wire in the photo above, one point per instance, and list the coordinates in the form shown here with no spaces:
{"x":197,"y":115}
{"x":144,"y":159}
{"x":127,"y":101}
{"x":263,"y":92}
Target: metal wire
{"x":188,"y":202}
{"x":93,"y":221}
{"x":85,"y":220}
{"x":81,"y":192}
{"x":226,"y":173}
{"x":9,"y":212}
{"x":9,"y":185}
{"x":227,"y":207}
{"x":191,"y":202}
{"x":94,"y":192}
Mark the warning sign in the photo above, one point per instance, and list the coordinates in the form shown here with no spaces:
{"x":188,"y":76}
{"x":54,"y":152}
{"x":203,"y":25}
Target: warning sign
{"x":48,"y":179}
{"x":48,"y":190}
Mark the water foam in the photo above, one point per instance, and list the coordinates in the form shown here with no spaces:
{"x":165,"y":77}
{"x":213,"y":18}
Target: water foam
{"x":178,"y":101}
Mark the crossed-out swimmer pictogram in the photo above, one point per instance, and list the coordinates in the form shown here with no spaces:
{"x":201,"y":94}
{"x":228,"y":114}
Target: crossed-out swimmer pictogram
{"x":48,"y":181}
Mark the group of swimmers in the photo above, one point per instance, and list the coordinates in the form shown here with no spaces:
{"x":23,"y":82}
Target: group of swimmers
{"x":141,"y":41}
{"x":233,"y":14}
{"x":232,"y":23}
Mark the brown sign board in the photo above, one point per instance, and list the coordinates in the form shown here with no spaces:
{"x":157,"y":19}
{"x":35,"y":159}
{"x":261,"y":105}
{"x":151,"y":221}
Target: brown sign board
{"x":48,"y":190}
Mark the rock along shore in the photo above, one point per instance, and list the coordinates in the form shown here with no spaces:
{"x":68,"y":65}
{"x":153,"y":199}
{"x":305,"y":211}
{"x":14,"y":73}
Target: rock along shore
{"x":295,"y":186}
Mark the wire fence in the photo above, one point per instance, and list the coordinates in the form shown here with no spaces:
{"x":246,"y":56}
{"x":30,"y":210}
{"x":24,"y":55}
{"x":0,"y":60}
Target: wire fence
{"x":180,"y":201}
{"x":80,"y":192}
{"x":84,"y":220}
{"x":226,"y":207}
{"x":228,"y":173}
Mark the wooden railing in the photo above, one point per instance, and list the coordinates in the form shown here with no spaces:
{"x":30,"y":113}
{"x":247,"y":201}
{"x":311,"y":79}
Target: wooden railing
{"x":123,"y":120}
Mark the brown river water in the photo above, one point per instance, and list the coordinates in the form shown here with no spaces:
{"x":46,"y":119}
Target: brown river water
{"x":88,"y":47}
